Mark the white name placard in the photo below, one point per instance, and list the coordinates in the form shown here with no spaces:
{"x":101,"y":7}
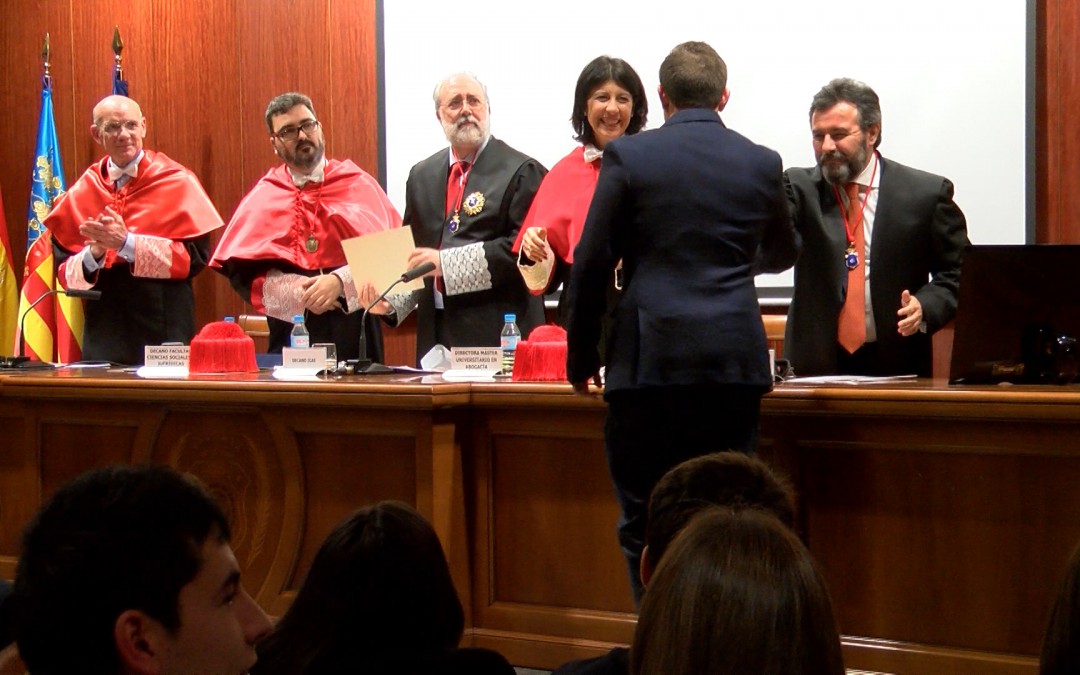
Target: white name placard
{"x":476,"y":358}
{"x":292,"y":357}
{"x":166,"y":355}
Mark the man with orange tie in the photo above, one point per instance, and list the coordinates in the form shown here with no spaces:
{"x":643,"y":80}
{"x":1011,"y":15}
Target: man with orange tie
{"x":882,"y":245}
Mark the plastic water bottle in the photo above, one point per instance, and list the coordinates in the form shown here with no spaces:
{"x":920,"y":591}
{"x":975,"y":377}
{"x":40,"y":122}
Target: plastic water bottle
{"x":300,"y":338}
{"x":508,"y":340}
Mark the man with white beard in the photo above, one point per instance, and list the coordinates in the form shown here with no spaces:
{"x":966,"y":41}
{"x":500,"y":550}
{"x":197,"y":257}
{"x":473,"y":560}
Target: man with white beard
{"x":465,"y":204}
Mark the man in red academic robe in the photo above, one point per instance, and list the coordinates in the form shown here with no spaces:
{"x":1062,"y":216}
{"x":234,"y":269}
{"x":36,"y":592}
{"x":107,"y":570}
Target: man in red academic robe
{"x":136,"y":227}
{"x":282,"y":249}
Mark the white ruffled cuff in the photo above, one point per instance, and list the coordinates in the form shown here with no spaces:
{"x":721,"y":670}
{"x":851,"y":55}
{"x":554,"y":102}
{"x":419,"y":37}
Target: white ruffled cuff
{"x":465,"y":269}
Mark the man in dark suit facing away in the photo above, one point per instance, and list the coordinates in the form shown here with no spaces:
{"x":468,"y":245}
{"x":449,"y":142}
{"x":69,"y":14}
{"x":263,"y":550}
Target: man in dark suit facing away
{"x":694,"y":211}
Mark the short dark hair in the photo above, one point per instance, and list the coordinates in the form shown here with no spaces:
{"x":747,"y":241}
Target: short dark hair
{"x":858,"y":94}
{"x":379,"y":587}
{"x":732,"y":480}
{"x":737,"y":593}
{"x":694,"y":76}
{"x":113,"y":539}
{"x":283,"y":103}
{"x":597,"y":72}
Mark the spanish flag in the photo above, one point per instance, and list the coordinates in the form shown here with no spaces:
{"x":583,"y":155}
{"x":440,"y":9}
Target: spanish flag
{"x":9,"y":291}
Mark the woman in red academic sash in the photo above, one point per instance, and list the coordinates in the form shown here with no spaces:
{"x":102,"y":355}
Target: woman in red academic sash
{"x":609,"y":101}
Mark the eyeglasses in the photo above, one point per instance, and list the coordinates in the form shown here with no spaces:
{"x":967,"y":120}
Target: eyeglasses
{"x":293,"y":133}
{"x":114,"y":128}
{"x":458,"y":102}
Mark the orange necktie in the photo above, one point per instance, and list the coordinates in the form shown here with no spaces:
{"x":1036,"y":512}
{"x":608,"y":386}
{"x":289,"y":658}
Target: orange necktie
{"x":852,"y":327}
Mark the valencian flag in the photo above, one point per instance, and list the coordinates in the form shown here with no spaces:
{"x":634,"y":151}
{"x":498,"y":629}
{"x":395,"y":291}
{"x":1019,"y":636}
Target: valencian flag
{"x":53,"y":329}
{"x":9,"y":291}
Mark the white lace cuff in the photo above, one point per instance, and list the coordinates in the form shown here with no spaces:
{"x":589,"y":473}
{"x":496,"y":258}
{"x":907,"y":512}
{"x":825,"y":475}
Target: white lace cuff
{"x":404,"y":303}
{"x":283,"y":295}
{"x":352,"y":300}
{"x":537,"y":275}
{"x":153,"y":256}
{"x":73,"y":271}
{"x":465,"y":269}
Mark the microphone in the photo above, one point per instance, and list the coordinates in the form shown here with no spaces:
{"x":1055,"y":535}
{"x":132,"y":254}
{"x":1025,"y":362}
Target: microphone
{"x":23,"y":361}
{"x":363,"y":364}
{"x":418,"y":271}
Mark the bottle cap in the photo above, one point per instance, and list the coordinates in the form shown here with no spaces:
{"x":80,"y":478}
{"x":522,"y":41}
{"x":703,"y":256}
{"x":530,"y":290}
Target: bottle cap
{"x":298,"y":318}
{"x":510,"y":318}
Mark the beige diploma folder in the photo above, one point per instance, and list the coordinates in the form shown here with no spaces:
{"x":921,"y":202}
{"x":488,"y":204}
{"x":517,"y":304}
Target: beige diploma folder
{"x":381,"y":258}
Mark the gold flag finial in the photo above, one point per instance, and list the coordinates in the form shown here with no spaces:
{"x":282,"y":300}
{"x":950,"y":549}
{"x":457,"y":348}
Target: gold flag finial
{"x":46,"y":52}
{"x":117,"y":47}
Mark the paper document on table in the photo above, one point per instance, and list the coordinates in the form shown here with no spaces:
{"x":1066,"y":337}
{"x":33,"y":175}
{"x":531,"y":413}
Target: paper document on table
{"x":848,"y":379}
{"x":381,"y":258}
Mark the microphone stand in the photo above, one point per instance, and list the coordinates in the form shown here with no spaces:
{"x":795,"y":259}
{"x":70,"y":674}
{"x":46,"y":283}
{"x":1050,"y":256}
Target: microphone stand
{"x":363,"y":365}
{"x":22,"y":361}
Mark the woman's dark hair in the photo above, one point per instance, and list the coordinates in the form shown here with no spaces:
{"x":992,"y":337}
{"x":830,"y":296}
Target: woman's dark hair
{"x":1061,"y":644}
{"x":379,"y":587}
{"x":600,"y":70}
{"x":736,"y":593}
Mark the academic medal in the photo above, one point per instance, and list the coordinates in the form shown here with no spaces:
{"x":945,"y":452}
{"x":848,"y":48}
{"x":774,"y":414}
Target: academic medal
{"x":455,"y":223}
{"x":851,"y":258}
{"x":474,"y":203}
{"x":312,"y":244}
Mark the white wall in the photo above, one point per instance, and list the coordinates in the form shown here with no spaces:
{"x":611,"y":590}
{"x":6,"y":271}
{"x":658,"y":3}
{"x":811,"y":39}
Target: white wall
{"x":950,"y":73}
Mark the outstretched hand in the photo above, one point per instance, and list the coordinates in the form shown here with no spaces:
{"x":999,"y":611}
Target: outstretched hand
{"x":910,"y":314}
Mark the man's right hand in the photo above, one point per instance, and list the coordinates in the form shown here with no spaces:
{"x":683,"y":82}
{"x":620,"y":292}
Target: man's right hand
{"x":366,"y":293}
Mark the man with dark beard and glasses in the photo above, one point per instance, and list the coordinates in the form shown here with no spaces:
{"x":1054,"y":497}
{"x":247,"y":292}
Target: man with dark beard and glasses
{"x":882,"y":245}
{"x":465,"y":204}
{"x":282,"y":250}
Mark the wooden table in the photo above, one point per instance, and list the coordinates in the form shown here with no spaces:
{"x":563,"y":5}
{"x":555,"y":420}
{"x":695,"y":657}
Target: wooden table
{"x":942,"y":517}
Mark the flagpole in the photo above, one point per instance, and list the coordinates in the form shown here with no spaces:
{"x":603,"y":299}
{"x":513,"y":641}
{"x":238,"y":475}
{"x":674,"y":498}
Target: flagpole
{"x":120,"y":86}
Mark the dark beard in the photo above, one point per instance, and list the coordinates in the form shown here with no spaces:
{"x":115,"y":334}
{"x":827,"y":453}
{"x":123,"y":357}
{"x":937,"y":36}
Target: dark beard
{"x":305,"y":161}
{"x":847,"y":170}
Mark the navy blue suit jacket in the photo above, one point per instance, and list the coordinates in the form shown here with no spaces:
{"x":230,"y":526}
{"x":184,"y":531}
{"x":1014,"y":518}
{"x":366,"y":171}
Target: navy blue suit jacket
{"x":694,"y":210}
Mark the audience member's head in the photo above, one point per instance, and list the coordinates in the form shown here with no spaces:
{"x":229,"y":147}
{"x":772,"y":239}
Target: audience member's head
{"x":732,"y":480}
{"x":7,"y":635}
{"x":736,"y":593}
{"x":378,"y":587}
{"x":1061,"y":645}
{"x":129,"y":570}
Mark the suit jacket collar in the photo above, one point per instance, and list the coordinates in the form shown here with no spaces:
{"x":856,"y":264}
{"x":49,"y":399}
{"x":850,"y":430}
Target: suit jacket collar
{"x":694,"y":115}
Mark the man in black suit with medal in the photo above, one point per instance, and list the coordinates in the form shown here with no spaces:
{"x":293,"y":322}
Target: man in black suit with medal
{"x":465,"y":204}
{"x":882,"y":245}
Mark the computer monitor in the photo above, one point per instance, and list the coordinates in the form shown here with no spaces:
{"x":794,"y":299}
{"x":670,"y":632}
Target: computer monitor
{"x":1011,"y":295}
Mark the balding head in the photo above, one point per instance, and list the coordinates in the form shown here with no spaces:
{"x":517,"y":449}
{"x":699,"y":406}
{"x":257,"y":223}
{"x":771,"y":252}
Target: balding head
{"x":119,"y":126}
